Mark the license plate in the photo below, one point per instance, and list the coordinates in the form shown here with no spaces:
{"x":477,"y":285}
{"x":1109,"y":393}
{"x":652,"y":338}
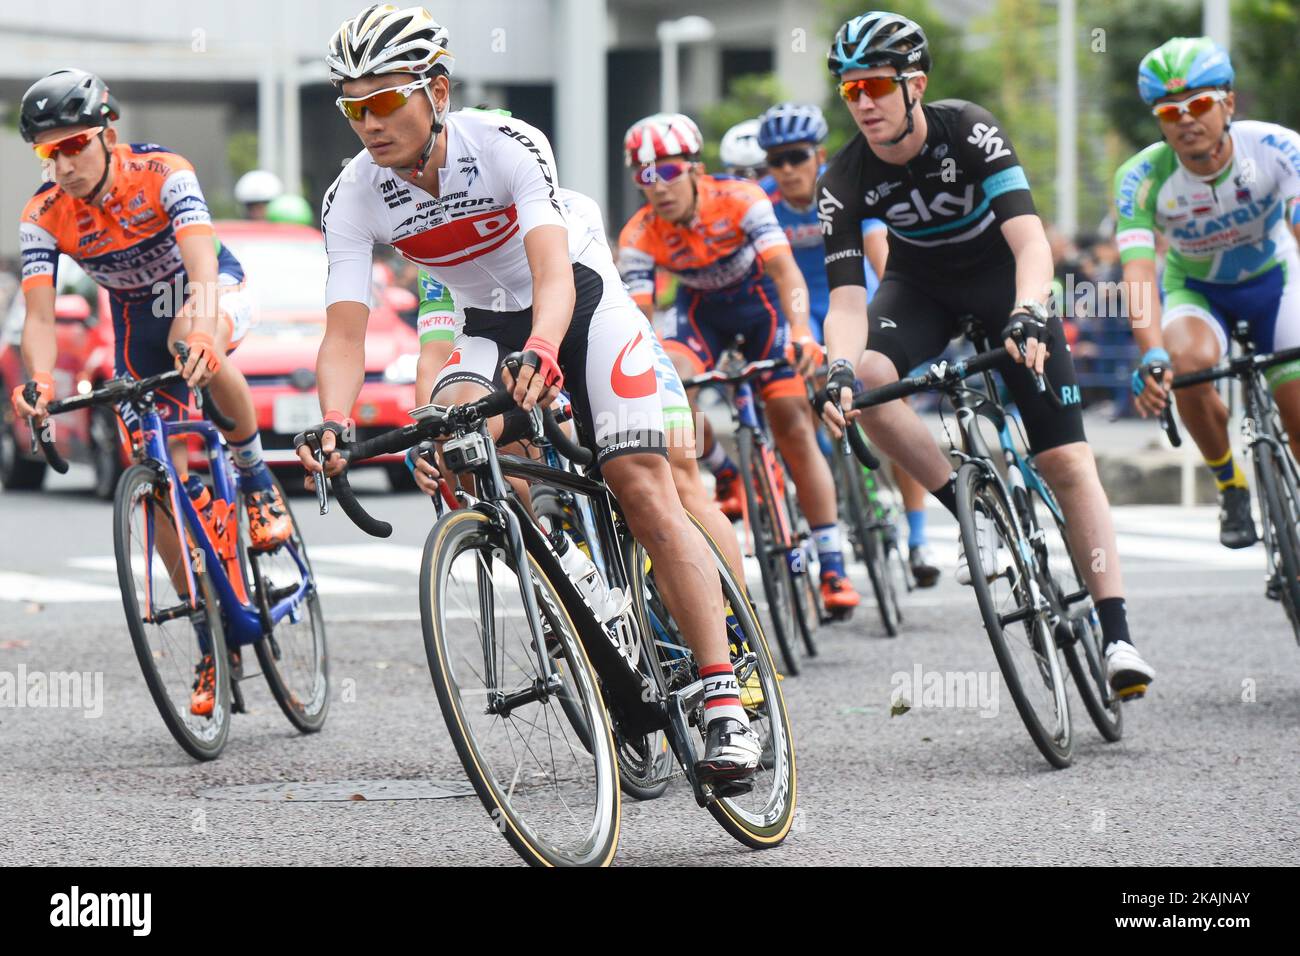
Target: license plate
{"x":295,"y":413}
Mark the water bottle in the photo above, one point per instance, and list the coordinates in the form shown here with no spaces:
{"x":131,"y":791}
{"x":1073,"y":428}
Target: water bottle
{"x":608,"y":603}
{"x":199,"y":494}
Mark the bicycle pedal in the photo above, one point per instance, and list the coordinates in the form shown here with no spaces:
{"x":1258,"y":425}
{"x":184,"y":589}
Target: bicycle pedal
{"x":724,"y":789}
{"x":1132,"y":693}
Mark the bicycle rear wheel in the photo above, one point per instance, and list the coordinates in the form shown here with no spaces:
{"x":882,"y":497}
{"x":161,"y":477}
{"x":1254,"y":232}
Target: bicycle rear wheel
{"x":1281,"y":514}
{"x":772,"y":557}
{"x":1008,"y":600}
{"x":1079,"y":631}
{"x":162,"y":624}
{"x":870,"y":544}
{"x":804,"y":584}
{"x":551,"y":794}
{"x":762,"y":817}
{"x":293,"y":653}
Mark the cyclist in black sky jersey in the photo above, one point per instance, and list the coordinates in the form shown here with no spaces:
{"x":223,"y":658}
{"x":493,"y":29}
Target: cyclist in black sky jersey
{"x":964,"y":239}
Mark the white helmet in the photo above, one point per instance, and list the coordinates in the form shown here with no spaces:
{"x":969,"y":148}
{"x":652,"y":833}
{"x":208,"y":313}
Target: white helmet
{"x":739,"y":149}
{"x":257,"y":186}
{"x":384,"y":39}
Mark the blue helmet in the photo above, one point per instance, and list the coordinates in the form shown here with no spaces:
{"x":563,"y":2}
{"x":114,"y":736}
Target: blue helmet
{"x":879,"y":38}
{"x":788,"y":123}
{"x":1183,"y":63}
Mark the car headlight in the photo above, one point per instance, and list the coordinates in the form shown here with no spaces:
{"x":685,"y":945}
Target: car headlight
{"x":401,"y":371}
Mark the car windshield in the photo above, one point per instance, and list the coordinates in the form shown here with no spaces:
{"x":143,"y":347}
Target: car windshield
{"x":284,"y":276}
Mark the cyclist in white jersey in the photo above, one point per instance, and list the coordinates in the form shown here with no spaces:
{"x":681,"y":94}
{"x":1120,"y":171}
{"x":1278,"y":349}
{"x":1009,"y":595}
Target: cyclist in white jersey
{"x":441,"y":325}
{"x":1223,"y":194}
{"x":471,"y":196}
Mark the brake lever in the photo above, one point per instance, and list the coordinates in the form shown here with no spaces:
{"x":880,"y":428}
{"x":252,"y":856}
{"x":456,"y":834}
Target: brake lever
{"x":322,"y":496}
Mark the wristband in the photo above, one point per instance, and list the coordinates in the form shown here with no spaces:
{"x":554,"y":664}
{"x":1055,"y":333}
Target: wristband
{"x":1156,"y":354}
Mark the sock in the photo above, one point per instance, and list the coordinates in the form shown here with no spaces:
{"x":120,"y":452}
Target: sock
{"x":1226,"y":473}
{"x":915,"y":528}
{"x":248,"y":459}
{"x":721,"y":694}
{"x":829,"y":550}
{"x":947,"y":495}
{"x":719,"y":463}
{"x":1114,"y":621}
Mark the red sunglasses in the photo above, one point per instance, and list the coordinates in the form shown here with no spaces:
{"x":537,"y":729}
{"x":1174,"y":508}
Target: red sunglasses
{"x":68,"y":146}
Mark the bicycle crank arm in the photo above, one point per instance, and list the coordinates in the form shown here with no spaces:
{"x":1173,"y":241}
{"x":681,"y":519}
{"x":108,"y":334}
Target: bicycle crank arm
{"x":679,"y":736}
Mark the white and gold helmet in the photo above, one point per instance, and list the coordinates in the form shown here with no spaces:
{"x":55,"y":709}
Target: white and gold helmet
{"x":383,"y":39}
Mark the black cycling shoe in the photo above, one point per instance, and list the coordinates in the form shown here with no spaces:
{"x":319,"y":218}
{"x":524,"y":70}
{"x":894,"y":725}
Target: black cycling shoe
{"x":731,"y":755}
{"x":1273,"y":589}
{"x":1236,"y":526}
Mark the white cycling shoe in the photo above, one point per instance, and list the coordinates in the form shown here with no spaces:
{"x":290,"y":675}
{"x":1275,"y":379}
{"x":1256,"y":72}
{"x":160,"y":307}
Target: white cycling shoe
{"x":986,"y":536}
{"x":1126,"y":671}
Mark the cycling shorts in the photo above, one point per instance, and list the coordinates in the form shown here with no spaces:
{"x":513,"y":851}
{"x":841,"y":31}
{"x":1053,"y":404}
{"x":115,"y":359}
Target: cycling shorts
{"x":705,"y":325}
{"x":608,"y":364}
{"x":912,"y":320}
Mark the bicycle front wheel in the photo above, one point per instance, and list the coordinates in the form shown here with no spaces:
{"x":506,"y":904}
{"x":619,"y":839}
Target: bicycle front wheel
{"x":551,"y":791}
{"x":292,"y":652}
{"x":870,"y":544}
{"x":174,"y":641}
{"x":1281,"y":514}
{"x":1008,"y":599}
{"x":764,"y":527}
{"x":1079,"y":631}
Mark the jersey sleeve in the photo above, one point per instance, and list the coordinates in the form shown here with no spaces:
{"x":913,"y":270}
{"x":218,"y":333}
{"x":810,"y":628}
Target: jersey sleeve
{"x":181,"y":199}
{"x":438,"y":318}
{"x":760,"y":225}
{"x":529,"y":179}
{"x":636,"y":263}
{"x":40,"y":255}
{"x":986,"y":146}
{"x":1285,"y":145}
{"x":840,"y":213}
{"x":349,"y":243}
{"x":873,"y":225}
{"x":1135,"y":197}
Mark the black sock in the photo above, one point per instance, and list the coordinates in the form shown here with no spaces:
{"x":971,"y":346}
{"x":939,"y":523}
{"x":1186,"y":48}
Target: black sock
{"x":1114,"y":621}
{"x":947,"y":495}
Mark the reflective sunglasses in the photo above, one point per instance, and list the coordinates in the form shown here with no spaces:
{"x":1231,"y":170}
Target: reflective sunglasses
{"x":657,"y":172}
{"x":380,"y":102}
{"x":876,"y":87}
{"x":1198,"y":105}
{"x":791,"y":157}
{"x":68,"y":146}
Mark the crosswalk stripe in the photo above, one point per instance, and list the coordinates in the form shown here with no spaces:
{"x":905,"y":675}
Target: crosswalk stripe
{"x":17,"y":586}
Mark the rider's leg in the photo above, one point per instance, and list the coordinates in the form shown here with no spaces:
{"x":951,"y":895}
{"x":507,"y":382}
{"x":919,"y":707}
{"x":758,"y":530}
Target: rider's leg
{"x":1287,"y":396}
{"x":898,"y":431}
{"x":1196,"y":341}
{"x":695,"y":499}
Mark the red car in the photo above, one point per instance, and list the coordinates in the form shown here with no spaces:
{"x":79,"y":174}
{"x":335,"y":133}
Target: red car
{"x":285,"y":267}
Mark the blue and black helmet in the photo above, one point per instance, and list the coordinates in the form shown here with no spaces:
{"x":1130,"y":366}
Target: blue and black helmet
{"x":879,"y":38}
{"x":788,"y":123}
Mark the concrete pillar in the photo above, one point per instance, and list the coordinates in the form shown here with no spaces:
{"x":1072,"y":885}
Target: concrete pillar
{"x":580,"y":42}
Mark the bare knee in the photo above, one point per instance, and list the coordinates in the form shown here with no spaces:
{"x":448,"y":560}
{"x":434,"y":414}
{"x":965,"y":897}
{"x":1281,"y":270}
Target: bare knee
{"x":1068,"y":466}
{"x":875,"y":369}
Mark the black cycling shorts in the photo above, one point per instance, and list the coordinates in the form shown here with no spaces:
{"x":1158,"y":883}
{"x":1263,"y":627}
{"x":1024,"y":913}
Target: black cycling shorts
{"x":912,"y":320}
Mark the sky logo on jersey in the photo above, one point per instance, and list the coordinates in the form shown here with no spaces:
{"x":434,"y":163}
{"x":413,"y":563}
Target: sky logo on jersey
{"x":985,"y":137}
{"x":826,"y":207}
{"x":941,"y":205}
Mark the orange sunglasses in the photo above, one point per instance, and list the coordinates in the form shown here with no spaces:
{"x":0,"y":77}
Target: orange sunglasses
{"x":380,"y":102}
{"x":68,"y":146}
{"x":876,"y":87}
{"x":1198,"y":106}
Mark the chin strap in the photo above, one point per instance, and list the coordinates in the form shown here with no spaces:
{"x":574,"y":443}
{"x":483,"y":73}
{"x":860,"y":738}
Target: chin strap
{"x":108,"y":166}
{"x":907,"y":107}
{"x":438,"y":123}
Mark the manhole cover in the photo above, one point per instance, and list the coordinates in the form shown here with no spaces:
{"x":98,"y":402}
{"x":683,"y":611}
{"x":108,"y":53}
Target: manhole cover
{"x":343,"y":790}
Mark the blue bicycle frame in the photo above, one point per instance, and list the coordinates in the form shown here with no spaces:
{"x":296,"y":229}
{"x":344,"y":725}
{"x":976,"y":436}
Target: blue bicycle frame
{"x":243,"y":621}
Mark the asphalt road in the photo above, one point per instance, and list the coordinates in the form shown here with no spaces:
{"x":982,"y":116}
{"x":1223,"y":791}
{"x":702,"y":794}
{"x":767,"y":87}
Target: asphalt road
{"x":1207,"y":772}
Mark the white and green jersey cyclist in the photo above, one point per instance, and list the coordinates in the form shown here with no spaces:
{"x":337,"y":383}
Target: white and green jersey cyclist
{"x":1232,"y":249}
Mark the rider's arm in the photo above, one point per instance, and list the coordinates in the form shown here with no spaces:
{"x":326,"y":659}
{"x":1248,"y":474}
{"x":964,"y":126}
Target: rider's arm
{"x":547,"y":248}
{"x":341,"y":361}
{"x":841,"y":213}
{"x":181,"y":199}
{"x":793,"y":291}
{"x":1135,"y":191}
{"x":636,"y":264}
{"x":199,"y":256}
{"x":1143,"y":303}
{"x":40,"y":257}
{"x":1028,"y":241}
